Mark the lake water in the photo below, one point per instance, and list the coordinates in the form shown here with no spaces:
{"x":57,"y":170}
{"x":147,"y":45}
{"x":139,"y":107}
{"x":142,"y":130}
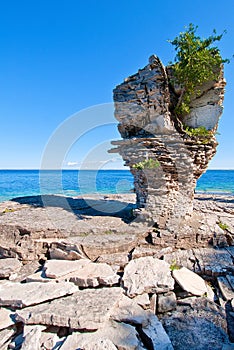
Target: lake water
{"x":19,"y":183}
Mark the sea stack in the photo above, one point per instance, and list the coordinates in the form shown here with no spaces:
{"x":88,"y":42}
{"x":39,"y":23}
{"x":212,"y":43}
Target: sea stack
{"x":164,"y":157}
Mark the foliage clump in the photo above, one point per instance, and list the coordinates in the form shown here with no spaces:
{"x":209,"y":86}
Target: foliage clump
{"x":147,"y":164}
{"x":223,"y":226}
{"x":196,"y":62}
{"x":200,"y":133}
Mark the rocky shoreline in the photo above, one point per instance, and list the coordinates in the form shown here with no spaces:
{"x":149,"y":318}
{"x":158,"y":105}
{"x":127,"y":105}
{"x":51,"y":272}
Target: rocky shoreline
{"x":84,"y":273}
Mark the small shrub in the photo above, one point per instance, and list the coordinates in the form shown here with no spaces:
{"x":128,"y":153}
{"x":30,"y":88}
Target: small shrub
{"x":7,"y":210}
{"x":223,"y":226}
{"x":200,"y":133}
{"x":174,"y":266}
{"x":147,"y":164}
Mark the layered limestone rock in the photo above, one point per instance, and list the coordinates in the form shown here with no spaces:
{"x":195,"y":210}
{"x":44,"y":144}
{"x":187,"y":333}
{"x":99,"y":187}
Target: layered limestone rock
{"x":144,"y":105}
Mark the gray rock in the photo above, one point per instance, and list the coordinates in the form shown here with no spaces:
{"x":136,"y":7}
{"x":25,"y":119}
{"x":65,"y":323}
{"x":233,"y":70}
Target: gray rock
{"x":147,"y":274}
{"x":127,"y":310}
{"x":9,"y":266}
{"x":123,"y":336}
{"x":86,"y":309}
{"x":18,"y":295}
{"x":190,"y":281}
{"x":225,"y":288}
{"x":155,"y":335}
{"x":166,"y":302}
{"x":197,"y":324}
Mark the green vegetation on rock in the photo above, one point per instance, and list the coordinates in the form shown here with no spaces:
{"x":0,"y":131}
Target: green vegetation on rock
{"x":200,"y":133}
{"x":147,"y":164}
{"x":223,"y":226}
{"x":196,"y":62}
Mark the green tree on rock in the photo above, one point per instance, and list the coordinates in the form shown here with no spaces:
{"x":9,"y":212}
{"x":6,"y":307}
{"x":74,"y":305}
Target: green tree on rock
{"x":196,"y":62}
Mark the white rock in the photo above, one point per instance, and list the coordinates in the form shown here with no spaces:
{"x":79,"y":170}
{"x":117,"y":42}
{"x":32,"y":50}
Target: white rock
{"x":190,"y":281}
{"x":9,"y":266}
{"x":38,"y":277}
{"x":58,"y":268}
{"x":85,"y":341}
{"x":123,"y":336}
{"x":148,"y":275}
{"x":32,"y":339}
{"x":86,"y":309}
{"x":93,"y":275}
{"x":18,"y":295}
{"x":5,"y":318}
{"x":5,"y":336}
{"x":143,"y":300}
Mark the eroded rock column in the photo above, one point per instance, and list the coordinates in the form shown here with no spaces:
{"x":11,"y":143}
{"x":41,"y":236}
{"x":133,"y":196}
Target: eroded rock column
{"x":164,"y":160}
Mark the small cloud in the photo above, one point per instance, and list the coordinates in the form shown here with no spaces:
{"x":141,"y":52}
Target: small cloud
{"x":72,"y":163}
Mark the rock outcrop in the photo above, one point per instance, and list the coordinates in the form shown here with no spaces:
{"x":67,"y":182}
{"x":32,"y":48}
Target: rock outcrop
{"x":144,"y":107}
{"x":119,"y":288}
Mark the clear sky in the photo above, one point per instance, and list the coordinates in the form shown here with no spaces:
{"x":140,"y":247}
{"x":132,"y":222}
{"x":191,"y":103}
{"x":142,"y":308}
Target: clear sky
{"x":59,"y":57}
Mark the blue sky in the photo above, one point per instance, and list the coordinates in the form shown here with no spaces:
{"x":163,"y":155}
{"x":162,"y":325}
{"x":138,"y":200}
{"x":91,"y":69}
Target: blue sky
{"x":59,"y":57}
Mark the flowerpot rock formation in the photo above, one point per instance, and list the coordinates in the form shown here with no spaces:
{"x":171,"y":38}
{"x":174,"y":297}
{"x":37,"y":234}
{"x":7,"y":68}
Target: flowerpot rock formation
{"x":164,"y":159}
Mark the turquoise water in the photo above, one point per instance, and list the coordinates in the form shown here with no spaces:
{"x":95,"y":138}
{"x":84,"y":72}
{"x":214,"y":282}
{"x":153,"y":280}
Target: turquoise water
{"x":19,"y":183}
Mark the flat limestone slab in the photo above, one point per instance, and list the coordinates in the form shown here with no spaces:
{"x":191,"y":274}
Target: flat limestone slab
{"x":190,"y":281}
{"x":86,"y":309}
{"x":93,"y":275}
{"x":87,"y":342}
{"x":58,"y":268}
{"x":9,"y":266}
{"x":122,"y":335}
{"x":83,"y":272}
{"x":19,"y":295}
{"x":148,"y":275}
{"x":5,"y":318}
{"x":5,"y":336}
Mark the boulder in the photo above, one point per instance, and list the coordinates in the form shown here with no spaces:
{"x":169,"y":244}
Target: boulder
{"x":127,"y":310}
{"x":190,"y":281}
{"x":197,"y":324}
{"x":148,"y":275}
{"x":86,"y":309}
{"x":19,"y":295}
